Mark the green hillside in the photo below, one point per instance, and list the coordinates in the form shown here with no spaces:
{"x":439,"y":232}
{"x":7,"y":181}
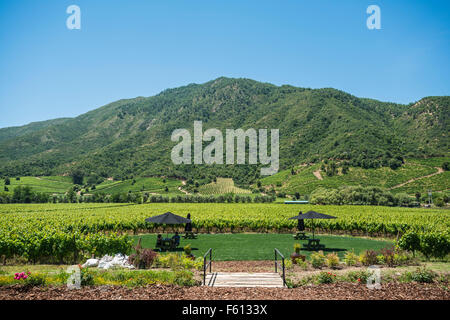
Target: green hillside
{"x":304,"y":181}
{"x":132,"y":137}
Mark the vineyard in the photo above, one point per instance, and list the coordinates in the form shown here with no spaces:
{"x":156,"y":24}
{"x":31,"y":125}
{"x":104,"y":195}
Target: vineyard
{"x":67,"y":232}
{"x":221,"y":186}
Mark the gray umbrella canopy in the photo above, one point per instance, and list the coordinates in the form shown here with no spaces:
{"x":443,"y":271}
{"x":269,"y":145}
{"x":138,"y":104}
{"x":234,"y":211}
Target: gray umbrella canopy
{"x":312,"y":215}
{"x":168,"y":218}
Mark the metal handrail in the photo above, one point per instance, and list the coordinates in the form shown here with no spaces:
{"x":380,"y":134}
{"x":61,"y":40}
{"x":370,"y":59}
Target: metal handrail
{"x":206,"y":265}
{"x":277,"y":252}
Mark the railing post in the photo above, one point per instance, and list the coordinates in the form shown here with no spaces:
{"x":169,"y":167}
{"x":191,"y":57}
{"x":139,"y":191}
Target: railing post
{"x":204,"y":270}
{"x":210,"y":261}
{"x":284,"y":277}
{"x":275,"y":251}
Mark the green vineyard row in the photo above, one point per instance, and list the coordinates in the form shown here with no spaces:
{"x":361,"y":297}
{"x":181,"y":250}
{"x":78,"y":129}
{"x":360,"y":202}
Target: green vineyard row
{"x":66,"y":232}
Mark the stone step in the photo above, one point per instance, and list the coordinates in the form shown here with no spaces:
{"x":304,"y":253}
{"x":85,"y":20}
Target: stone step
{"x":244,"y":279}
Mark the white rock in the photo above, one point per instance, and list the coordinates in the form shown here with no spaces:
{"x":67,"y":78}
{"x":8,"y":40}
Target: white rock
{"x":90,"y":263}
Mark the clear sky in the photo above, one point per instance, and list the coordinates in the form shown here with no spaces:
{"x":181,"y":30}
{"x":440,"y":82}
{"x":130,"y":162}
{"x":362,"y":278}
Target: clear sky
{"x":139,"y":48}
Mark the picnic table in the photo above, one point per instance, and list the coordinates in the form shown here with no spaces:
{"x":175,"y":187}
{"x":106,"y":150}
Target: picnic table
{"x":314,"y":244}
{"x":167,"y":244}
{"x":300,"y":235}
{"x":189,"y":235}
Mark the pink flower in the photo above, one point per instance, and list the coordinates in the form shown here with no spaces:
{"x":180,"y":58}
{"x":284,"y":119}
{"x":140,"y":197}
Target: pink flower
{"x":25,"y":276}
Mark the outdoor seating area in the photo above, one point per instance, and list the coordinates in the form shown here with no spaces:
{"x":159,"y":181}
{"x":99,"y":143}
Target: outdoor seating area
{"x":313,"y":243}
{"x":168,"y":218}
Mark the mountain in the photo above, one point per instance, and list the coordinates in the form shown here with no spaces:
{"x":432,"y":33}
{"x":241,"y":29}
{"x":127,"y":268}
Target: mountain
{"x":133,"y":136}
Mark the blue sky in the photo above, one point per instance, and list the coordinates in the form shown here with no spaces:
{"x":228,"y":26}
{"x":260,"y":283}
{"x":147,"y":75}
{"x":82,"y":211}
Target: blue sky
{"x":139,"y":48}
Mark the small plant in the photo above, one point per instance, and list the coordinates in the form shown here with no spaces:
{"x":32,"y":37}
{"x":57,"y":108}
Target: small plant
{"x":326,"y":277}
{"x":35,"y":280}
{"x":332,"y":260}
{"x":296,"y":256}
{"x":368,"y":258}
{"x":288,"y":264}
{"x":350,"y":258}
{"x":303,"y":264}
{"x":21,"y":275}
{"x":317,"y":259}
{"x":380,"y":259}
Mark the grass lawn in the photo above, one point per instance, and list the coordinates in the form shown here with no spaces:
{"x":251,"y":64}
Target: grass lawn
{"x":260,"y":246}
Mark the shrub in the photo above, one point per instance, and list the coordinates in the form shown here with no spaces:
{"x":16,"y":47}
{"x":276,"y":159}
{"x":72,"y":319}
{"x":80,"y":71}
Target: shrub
{"x":317,"y":259}
{"x":187,"y":249}
{"x":357,"y":276}
{"x":380,"y":259}
{"x":326,"y":277}
{"x":422,"y":275}
{"x":184,"y":278}
{"x":302,"y":264}
{"x":388,"y":256}
{"x":297,"y":248}
{"x":332,"y":260}
{"x":368,"y":258}
{"x":143,"y":258}
{"x":36,"y":280}
{"x":350,"y":258}
{"x":87,"y":278}
{"x":439,"y":202}
{"x":434,"y":244}
{"x":410,"y":241}
{"x":288,"y":264}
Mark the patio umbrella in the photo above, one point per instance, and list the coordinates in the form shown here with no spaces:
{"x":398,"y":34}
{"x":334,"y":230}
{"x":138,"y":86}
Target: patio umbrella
{"x":312,"y":215}
{"x":168,"y":218}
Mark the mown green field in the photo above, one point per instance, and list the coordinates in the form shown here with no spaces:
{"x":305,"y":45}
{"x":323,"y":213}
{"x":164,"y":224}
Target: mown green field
{"x":260,"y":246}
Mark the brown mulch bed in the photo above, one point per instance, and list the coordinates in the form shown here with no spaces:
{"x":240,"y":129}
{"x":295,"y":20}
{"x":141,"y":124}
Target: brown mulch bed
{"x":336,"y":291}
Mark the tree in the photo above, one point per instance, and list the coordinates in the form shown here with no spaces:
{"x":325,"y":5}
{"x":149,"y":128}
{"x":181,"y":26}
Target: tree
{"x":418,"y":195}
{"x":71,"y":195}
{"x":446,"y":166}
{"x":345,"y":169}
{"x":7,"y":181}
{"x":77,"y":176}
{"x":394,"y":164}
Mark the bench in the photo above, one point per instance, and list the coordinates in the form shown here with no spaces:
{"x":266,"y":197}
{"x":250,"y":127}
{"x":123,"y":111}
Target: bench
{"x":167,"y":244}
{"x":300,"y":235}
{"x":189,"y":235}
{"x":314,"y":244}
